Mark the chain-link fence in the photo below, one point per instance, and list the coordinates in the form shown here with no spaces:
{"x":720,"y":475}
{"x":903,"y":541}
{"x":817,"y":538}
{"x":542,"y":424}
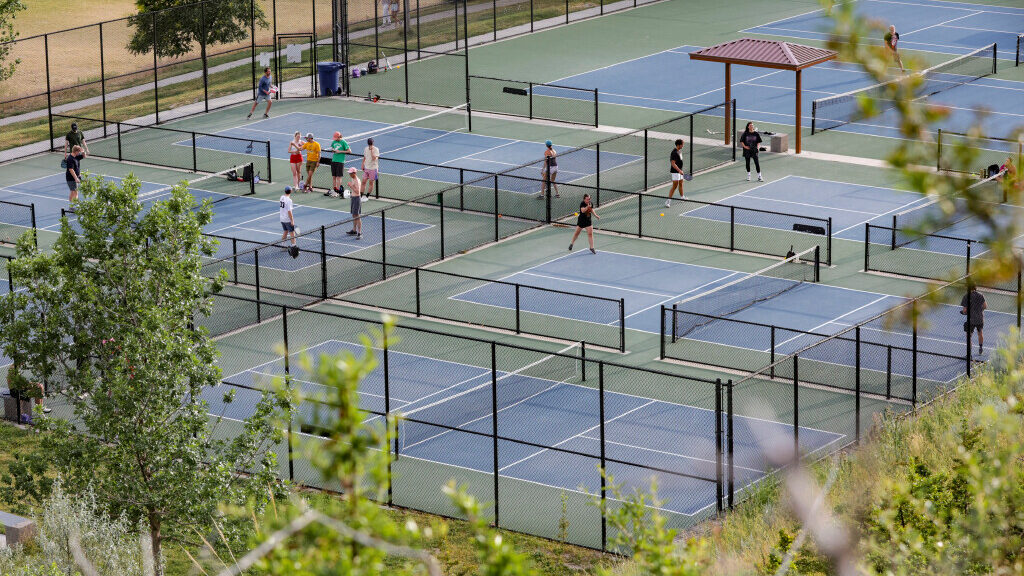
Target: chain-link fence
{"x":15,"y":220}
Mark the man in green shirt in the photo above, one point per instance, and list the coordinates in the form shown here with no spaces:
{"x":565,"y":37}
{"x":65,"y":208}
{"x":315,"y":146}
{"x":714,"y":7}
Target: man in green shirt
{"x":75,"y":138}
{"x":340,"y":148}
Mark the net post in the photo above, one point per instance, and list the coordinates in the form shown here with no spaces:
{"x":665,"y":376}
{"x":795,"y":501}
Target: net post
{"x":195,"y":160}
{"x":49,"y":100}
{"x":814,"y":115}
{"x":828,"y":250}
{"x":892,"y":243}
{"x":729,"y":136}
{"x":440,"y":209}
{"x":856,"y":385}
{"x":622,"y":324}
{"x":604,"y":464}
{"x":646,"y":160}
{"x":383,"y":243}
{"x":462,"y":191}
{"x":287,"y":373}
{"x":583,"y":360}
{"x":494,"y":426}
{"x":269,"y":164}
{"x":817,"y":263}
{"x":675,"y":322}
{"x":913,"y":354}
{"x":640,"y":216}
{"x":596,"y":123}
{"x":867,"y":246}
{"x":497,"y":213}
{"x":323,"y":261}
{"x":387,"y":407}
{"x":730,"y":446}
{"x":691,"y":146}
{"x":120,"y":156}
{"x":732,"y":228}
{"x":995,"y":57}
{"x":416,"y":273}
{"x":771,"y":363}
{"x":35,"y":231}
{"x":718,"y":445}
{"x":529,"y":109}
{"x":256,"y":261}
{"x":234,"y":258}
{"x":252,"y":181}
{"x":796,"y":407}
{"x":662,"y":344}
{"x":967,"y":271}
{"x":517,"y":309}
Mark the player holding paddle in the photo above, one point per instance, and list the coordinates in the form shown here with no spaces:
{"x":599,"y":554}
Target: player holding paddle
{"x":263,"y":92}
{"x":585,"y":223}
{"x":892,"y":38}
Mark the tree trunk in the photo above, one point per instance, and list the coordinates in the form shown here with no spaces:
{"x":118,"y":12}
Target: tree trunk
{"x":155,"y":539}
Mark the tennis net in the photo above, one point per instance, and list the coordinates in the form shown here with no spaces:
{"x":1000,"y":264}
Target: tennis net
{"x":1020,"y":50}
{"x":15,"y":219}
{"x":217,"y":187}
{"x":835,"y":111}
{"x":472,"y":401}
{"x":738,"y":295}
{"x":929,"y":218}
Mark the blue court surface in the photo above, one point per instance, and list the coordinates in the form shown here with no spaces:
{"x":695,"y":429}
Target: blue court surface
{"x":808,"y":307}
{"x":244,"y":217}
{"x":850,"y":206}
{"x":444,"y":147}
{"x":551,"y":413}
{"x":669,"y":80}
{"x":953,"y":28}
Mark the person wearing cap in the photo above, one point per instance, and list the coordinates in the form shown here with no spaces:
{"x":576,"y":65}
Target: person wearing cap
{"x":312,"y":148}
{"x":549,"y":171}
{"x":74,"y":138}
{"x":340,"y":148}
{"x":371,"y":157}
{"x":355,"y":202}
{"x":287,"y":217}
{"x":263,"y":93}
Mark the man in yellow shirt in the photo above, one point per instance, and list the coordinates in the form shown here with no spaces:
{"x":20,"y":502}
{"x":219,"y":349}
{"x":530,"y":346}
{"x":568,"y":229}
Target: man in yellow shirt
{"x":312,"y":148}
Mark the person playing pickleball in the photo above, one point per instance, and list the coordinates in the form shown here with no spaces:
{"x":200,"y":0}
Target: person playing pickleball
{"x":892,"y":38}
{"x":584,"y":222}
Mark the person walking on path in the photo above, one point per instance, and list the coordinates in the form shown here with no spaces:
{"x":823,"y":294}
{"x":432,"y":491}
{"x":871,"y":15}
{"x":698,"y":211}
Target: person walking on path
{"x":355,"y":204}
{"x":892,"y":38}
{"x":73,"y":173}
{"x":74,"y":138}
{"x":549,"y":173}
{"x":584,"y":222}
{"x":751,"y":141}
{"x":263,"y":93}
{"x":371,"y":159}
{"x":295,"y":158}
{"x":675,"y":165}
{"x":312,"y":148}
{"x":287,"y":215}
{"x":340,"y":149}
{"x":973,"y":306}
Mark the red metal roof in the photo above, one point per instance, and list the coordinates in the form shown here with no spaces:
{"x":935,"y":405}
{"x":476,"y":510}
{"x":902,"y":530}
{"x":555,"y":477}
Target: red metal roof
{"x":765,"y":53}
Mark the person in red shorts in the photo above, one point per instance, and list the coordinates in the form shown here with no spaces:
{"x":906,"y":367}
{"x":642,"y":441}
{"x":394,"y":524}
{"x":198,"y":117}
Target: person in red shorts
{"x":295,"y":159}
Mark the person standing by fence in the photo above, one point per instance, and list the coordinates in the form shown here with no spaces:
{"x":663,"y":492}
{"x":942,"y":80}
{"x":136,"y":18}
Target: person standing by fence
{"x":675,"y":165}
{"x":973,"y":306}
{"x":75,"y":138}
{"x":750,"y":140}
{"x":371,"y":159}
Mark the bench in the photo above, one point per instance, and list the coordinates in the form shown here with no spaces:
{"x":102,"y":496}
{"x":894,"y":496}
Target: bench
{"x":17,"y":530}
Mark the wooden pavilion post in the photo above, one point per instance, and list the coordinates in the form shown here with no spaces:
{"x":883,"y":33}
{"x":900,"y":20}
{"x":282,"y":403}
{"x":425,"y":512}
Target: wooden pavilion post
{"x":799,"y":111}
{"x":728,"y":102}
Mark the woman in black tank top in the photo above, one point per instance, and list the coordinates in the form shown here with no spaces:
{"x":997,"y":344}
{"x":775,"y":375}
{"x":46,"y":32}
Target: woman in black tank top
{"x":549,"y":169}
{"x":584,"y":222}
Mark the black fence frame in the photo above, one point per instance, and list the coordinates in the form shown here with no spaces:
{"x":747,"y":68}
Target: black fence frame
{"x":27,"y":221}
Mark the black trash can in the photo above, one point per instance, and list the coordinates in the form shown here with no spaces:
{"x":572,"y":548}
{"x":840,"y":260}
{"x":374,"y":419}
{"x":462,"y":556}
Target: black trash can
{"x":328,"y":72}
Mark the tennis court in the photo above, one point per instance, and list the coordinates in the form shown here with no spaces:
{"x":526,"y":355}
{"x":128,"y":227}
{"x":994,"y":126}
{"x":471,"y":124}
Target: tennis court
{"x":537,"y":410}
{"x":776,"y":296}
{"x":955,"y":28}
{"x":669,"y":80}
{"x":440,"y":139}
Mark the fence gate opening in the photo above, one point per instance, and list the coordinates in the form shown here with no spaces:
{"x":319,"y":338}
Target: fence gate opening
{"x":295,"y":66}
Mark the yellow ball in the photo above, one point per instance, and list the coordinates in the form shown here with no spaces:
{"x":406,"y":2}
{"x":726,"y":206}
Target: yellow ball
{"x":575,"y":213}
{"x":662,"y":214}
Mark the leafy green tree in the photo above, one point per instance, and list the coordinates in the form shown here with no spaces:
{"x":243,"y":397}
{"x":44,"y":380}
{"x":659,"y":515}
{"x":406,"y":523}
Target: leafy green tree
{"x":184,"y":25}
{"x":8,"y":10}
{"x":108,"y":322}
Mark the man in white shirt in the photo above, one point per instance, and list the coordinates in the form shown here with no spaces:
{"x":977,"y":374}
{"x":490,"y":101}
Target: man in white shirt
{"x":287,"y":218}
{"x":371,"y":156}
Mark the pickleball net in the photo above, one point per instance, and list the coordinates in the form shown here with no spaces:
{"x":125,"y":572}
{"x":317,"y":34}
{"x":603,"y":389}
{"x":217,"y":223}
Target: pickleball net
{"x":834,"y":111}
{"x":217,"y":187}
{"x":930,"y":217}
{"x":737,"y":295}
{"x":469,"y":405}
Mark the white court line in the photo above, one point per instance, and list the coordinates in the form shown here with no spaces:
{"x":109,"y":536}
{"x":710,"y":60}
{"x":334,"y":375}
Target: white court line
{"x":362,"y":392}
{"x":810,"y":205}
{"x":833,"y":320}
{"x":974,"y":13}
{"x":615,"y":288}
{"x":662,"y":452}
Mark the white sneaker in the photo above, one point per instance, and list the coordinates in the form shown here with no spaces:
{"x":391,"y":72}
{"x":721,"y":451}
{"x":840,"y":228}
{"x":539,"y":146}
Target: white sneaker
{"x":760,"y":178}
{"x":668,"y":203}
{"x":748,"y":176}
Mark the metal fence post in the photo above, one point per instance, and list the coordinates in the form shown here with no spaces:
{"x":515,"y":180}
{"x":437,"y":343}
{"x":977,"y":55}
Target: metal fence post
{"x":195,"y":161}
{"x":639,"y":215}
{"x":646,"y":160}
{"x":494,"y":426}
{"x":662,"y":338}
{"x":440,"y":208}
{"x":529,"y":100}
{"x":518,"y":310}
{"x":867,"y":246}
{"x":856,"y":384}
{"x":156,"y":74}
{"x":497,"y":213}
{"x":383,"y":244}
{"x":796,"y":408}
{"x":416,"y":274}
{"x":718,"y":445}
{"x":730,"y":460}
{"x":287,"y":373}
{"x":103,"y":83}
{"x":49,"y":97}
{"x":913,"y":354}
{"x":387,"y":408}
{"x":256,"y":262}
{"x":771,"y":363}
{"x":828,"y":256}
{"x":202,"y":54}
{"x":234,"y":258}
{"x":622,"y":324}
{"x":597,"y":174}
{"x":732,"y":228}
{"x":323,"y":259}
{"x":604,"y":465}
{"x":120,"y":156}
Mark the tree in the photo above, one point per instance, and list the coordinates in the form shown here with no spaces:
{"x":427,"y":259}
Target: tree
{"x":181,"y":24}
{"x":8,"y":10}
{"x":107,"y":321}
